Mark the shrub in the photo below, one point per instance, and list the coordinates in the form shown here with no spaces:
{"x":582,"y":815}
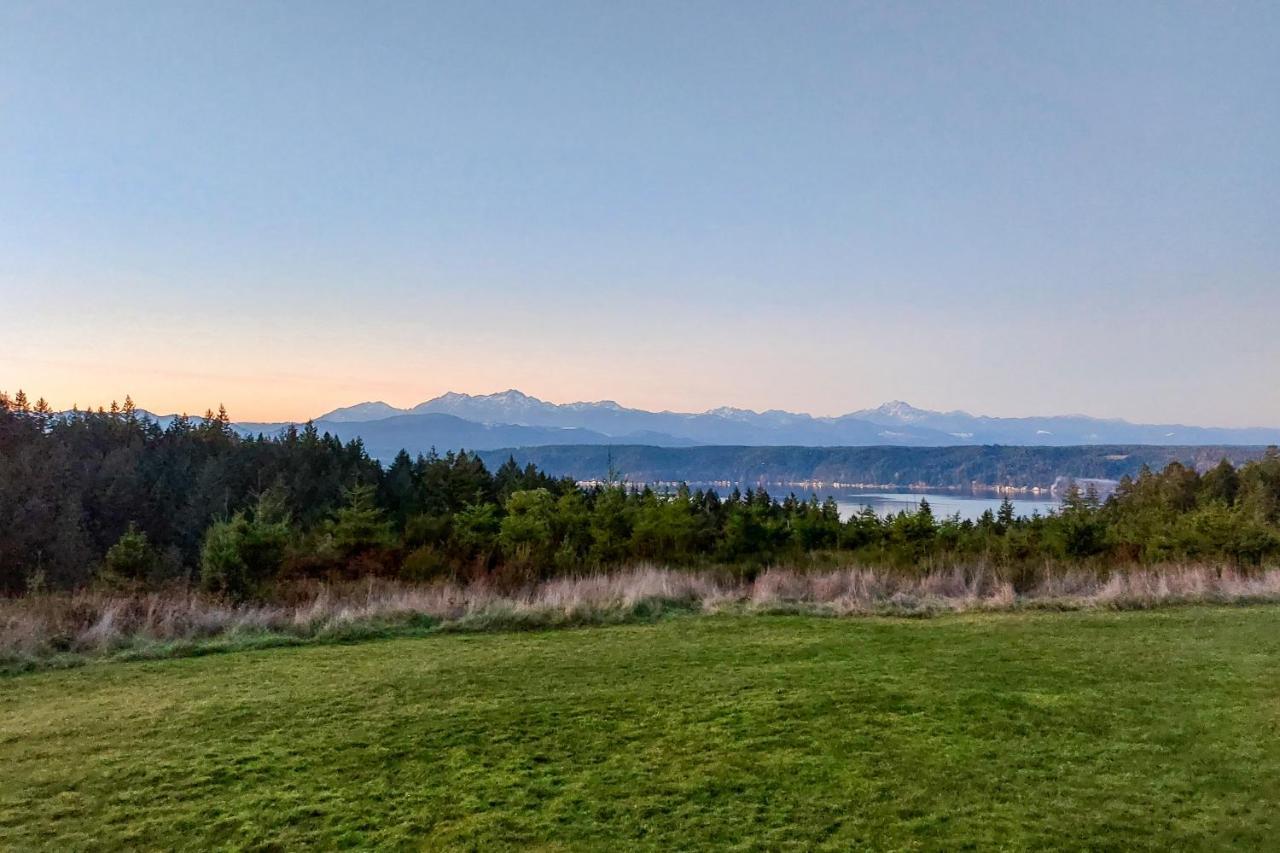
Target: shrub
{"x":131,"y":559}
{"x":427,"y":529}
{"x":425,"y":564}
{"x":241,"y":555}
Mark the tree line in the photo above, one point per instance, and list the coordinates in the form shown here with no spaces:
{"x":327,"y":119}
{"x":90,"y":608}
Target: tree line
{"x":110,"y":497}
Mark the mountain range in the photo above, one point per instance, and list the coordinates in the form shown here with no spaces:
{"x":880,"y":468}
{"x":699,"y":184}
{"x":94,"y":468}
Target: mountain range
{"x":514,"y":419}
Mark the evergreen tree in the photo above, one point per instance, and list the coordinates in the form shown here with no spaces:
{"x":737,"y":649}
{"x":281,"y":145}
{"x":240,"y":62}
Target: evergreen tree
{"x":1005,"y":515}
{"x":360,"y":525}
{"x":527,"y":530}
{"x":242,"y":555}
{"x":132,"y":558}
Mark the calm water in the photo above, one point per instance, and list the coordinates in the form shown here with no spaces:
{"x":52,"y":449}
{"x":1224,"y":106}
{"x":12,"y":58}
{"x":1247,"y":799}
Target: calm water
{"x":968,"y":505}
{"x":884,"y":503}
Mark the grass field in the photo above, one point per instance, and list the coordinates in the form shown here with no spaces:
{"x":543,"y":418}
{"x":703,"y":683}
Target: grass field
{"x":1152,"y":730}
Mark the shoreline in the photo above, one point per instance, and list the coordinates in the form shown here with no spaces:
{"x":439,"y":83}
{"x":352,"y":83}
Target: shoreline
{"x":822,"y":485}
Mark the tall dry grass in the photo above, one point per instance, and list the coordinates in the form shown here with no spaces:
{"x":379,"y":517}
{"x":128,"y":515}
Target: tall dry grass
{"x":68,"y":627}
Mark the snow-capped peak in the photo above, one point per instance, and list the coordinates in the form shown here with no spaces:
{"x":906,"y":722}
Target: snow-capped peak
{"x":731,"y":413}
{"x":900,"y":410}
{"x":370,"y":411}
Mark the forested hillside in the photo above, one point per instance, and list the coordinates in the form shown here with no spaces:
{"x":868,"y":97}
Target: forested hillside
{"x":941,"y":467}
{"x":111,"y":498}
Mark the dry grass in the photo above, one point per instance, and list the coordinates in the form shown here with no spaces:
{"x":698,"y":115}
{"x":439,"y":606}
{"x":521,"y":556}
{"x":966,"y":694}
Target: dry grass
{"x":66,"y":628}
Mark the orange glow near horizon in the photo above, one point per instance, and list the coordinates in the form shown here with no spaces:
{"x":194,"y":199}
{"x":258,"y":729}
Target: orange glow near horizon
{"x":815,"y":209}
{"x":269,"y":366}
{"x":272,"y":394}
{"x":275,"y":395}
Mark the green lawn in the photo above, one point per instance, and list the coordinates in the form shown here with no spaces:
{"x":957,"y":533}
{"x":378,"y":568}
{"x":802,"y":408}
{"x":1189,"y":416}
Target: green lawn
{"x":1149,"y":730}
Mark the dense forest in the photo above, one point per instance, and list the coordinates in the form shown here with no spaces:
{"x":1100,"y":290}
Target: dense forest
{"x":108,"y":497}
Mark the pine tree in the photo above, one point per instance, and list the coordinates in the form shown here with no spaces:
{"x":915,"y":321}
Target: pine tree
{"x":1221,"y":483}
{"x":1005,"y":516}
{"x":925,"y":511}
{"x":360,"y":525}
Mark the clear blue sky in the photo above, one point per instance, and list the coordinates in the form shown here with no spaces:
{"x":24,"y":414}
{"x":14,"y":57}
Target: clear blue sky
{"x":1011,"y":208}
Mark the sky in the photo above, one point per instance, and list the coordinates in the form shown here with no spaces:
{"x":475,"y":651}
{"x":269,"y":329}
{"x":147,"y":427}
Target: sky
{"x":1009,"y":208}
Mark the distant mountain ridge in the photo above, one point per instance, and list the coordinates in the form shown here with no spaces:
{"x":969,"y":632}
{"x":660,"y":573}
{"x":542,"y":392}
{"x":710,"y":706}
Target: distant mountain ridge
{"x":643,"y":457}
{"x":893,"y":423}
{"x":512,"y":419}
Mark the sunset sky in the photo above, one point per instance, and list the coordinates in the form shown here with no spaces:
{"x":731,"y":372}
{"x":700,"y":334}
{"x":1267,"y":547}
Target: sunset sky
{"x":1016,"y":208}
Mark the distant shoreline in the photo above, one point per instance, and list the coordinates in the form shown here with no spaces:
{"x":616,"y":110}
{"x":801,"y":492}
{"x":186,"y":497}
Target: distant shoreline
{"x":820,"y":486}
{"x":987,"y":470}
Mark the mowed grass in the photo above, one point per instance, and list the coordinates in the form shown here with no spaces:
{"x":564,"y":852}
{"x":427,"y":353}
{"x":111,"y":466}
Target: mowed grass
{"x":1122,"y":731}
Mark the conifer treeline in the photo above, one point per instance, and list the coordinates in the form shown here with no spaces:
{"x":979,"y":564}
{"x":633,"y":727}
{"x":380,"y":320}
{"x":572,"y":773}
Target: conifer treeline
{"x":110,"y":497}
